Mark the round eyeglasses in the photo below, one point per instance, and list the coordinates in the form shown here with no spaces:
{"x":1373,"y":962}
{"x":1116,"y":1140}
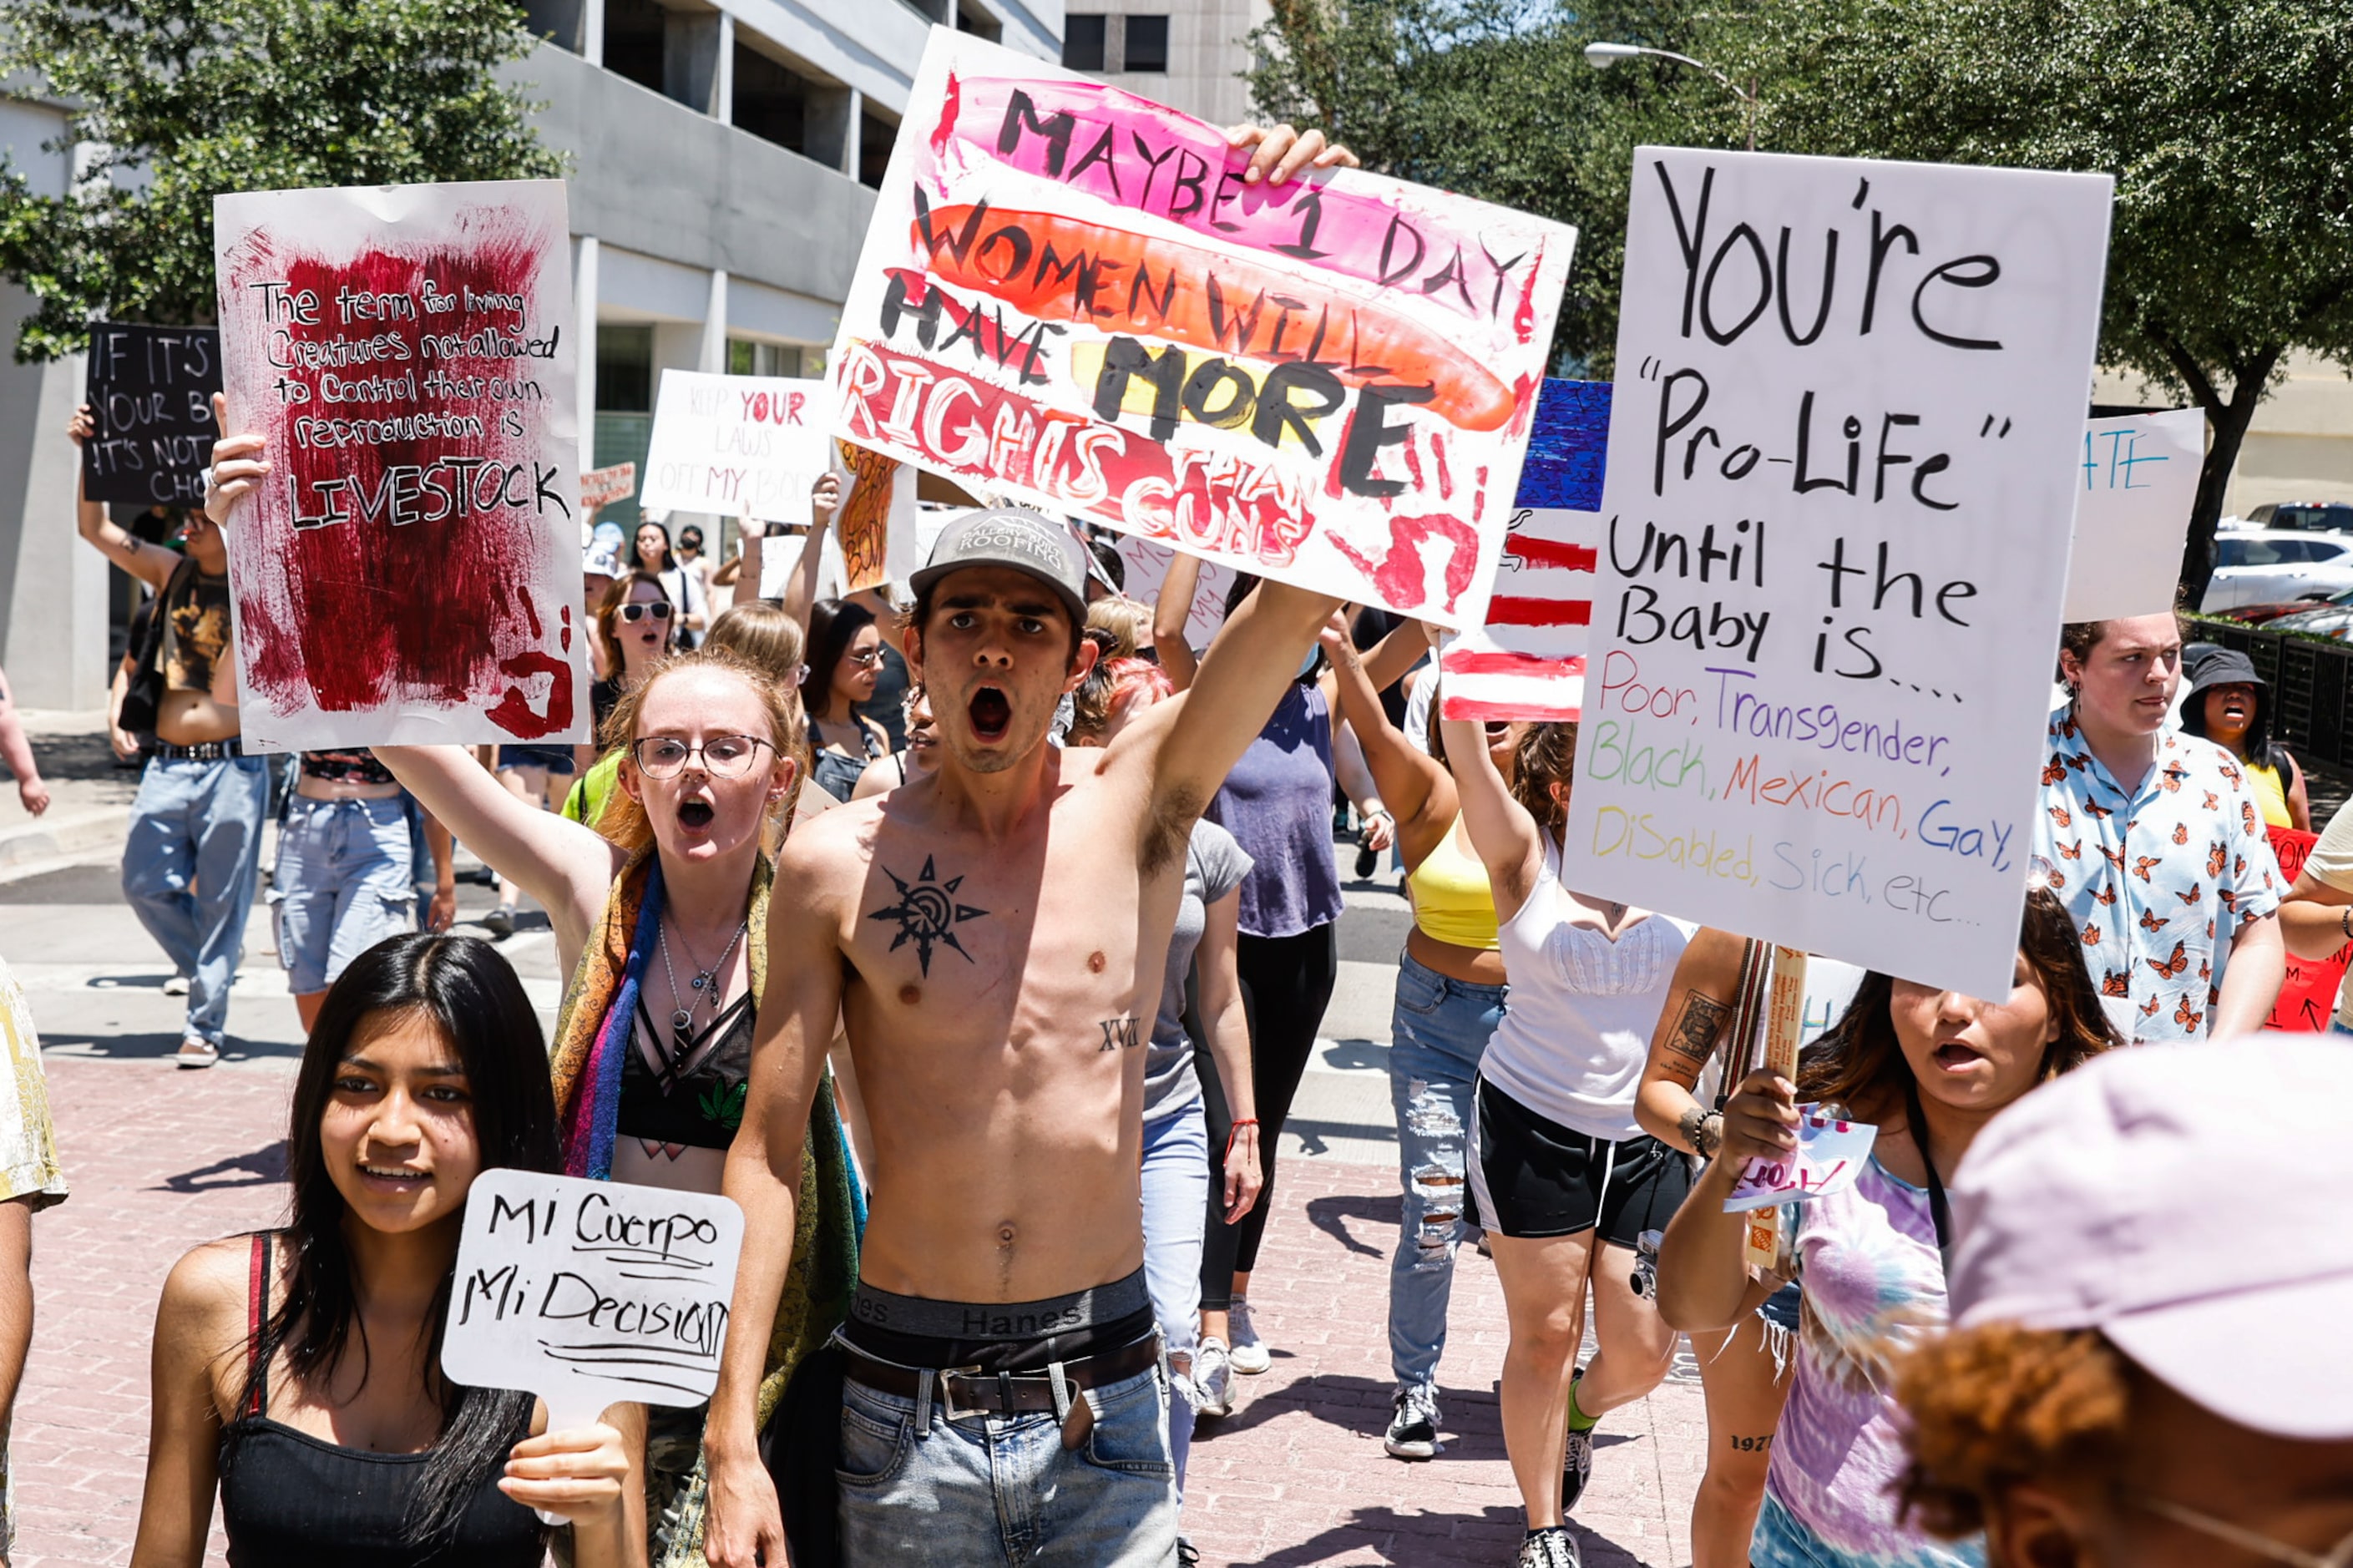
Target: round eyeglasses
{"x":724,"y":756}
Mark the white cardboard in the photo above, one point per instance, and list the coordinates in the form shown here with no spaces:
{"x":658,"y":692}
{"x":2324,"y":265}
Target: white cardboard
{"x":1115,"y":226}
{"x":2132,"y":513}
{"x":1147,"y":561}
{"x":591,"y":1293}
{"x":409,"y":572}
{"x":737,"y":446}
{"x":1873,"y":808}
{"x":1829,"y":1155}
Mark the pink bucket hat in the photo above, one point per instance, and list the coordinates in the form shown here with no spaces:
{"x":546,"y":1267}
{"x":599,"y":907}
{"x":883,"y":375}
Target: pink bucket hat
{"x":2190,"y":1201}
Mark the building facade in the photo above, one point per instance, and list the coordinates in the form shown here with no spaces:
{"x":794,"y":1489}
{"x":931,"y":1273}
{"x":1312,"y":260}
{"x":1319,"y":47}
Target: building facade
{"x":1188,"y":54}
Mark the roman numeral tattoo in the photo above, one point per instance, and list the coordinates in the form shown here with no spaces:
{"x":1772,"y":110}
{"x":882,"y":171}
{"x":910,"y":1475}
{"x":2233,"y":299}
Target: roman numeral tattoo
{"x":1119,"y":1033}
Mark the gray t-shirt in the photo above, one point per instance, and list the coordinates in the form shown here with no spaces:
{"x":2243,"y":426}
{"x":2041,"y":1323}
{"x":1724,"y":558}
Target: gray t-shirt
{"x":1214,"y":867}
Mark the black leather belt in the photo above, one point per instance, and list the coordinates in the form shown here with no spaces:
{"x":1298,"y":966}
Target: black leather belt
{"x":209,"y":752}
{"x":966,"y":1391}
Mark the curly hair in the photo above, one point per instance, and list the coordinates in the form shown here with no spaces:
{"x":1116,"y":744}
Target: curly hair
{"x":625,"y":821}
{"x":1546,"y":755}
{"x":1991,"y":1406}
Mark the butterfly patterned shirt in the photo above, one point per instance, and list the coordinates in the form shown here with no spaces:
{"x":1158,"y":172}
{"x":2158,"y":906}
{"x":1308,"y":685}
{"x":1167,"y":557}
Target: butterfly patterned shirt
{"x":2158,"y":880}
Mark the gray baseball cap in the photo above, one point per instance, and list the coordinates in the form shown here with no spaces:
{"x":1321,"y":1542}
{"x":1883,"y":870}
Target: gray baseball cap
{"x":1013,"y":537}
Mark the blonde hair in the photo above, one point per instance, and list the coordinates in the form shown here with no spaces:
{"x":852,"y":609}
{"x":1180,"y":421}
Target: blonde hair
{"x":1126,"y":621}
{"x":766,"y":635}
{"x":625,"y":821}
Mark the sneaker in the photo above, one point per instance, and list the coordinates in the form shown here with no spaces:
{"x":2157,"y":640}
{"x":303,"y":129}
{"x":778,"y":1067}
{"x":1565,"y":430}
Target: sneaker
{"x":1576,"y":1459}
{"x":176,"y":986}
{"x":196,"y":1051}
{"x":1551,"y":1547}
{"x":1213,"y":1379}
{"x":1413,"y":1426}
{"x":1249,"y":1353}
{"x":499,"y":923}
{"x":1187,"y":1554}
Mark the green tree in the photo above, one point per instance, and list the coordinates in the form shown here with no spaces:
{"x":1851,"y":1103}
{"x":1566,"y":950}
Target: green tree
{"x":2227,"y":123}
{"x":181,"y":101}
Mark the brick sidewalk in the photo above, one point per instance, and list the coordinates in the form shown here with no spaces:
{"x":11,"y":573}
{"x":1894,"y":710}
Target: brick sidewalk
{"x":161,"y":1161}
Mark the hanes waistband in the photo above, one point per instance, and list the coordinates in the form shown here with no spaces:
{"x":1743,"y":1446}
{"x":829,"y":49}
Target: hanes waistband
{"x":1095,"y":1306}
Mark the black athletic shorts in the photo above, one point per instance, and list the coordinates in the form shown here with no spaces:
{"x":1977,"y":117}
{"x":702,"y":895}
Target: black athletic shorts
{"x":1534,"y":1178}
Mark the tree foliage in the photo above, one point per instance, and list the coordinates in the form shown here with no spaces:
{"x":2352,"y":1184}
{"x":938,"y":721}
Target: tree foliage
{"x":180,"y":101}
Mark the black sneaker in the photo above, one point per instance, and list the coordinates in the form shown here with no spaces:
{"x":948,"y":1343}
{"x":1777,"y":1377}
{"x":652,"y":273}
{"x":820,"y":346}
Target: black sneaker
{"x":1577,"y":1458}
{"x":1413,"y":1424}
{"x":1187,"y":1554}
{"x":1551,"y":1547}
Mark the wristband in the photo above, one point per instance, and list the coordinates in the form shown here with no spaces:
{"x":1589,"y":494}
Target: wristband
{"x":1235,"y":1131}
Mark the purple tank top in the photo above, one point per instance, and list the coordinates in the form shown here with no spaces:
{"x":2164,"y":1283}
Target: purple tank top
{"x":1277,"y":803}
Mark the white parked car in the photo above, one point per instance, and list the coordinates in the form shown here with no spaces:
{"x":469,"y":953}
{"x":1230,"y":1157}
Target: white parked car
{"x":2268,"y":566}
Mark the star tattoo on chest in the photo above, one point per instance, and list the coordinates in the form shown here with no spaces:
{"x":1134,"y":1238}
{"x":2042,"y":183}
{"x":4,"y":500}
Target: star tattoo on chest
{"x":928,"y":913}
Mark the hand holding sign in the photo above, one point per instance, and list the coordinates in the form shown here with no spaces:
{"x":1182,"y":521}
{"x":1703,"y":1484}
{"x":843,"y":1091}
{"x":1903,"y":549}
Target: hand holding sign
{"x":1828,"y":1154}
{"x":591,"y":1293}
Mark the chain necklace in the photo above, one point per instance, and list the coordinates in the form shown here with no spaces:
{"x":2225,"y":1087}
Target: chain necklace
{"x":704,"y":986}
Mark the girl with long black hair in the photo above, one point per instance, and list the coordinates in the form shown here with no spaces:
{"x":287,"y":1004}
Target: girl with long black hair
{"x":298,"y":1371}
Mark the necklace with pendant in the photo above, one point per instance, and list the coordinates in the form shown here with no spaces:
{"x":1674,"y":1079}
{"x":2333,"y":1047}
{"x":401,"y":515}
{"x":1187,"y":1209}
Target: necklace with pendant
{"x":703,"y":987}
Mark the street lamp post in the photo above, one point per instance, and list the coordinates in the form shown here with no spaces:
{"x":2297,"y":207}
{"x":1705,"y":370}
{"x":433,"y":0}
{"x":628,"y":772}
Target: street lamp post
{"x":1602,"y":55}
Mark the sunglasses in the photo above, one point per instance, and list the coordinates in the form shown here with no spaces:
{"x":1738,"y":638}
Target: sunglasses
{"x":658,"y":610}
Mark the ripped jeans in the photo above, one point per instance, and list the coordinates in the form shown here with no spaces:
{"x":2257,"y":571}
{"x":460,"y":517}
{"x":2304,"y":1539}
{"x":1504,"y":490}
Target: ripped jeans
{"x":1436,"y":1036}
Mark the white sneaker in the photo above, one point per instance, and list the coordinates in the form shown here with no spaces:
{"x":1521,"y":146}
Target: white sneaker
{"x":196,"y":1051}
{"x":1213,"y":1379}
{"x":176,"y":986}
{"x":1249,"y":1354}
{"x":1413,"y":1426}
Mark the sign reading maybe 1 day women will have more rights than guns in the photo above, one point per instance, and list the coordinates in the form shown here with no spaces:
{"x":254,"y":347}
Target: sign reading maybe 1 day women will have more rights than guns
{"x":1845,"y":444}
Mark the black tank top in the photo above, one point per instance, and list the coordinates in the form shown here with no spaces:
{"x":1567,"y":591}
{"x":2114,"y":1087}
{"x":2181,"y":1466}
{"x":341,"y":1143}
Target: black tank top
{"x":293,"y":1501}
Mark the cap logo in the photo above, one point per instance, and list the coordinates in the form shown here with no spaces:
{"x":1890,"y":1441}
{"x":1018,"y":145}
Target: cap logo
{"x":1007,"y":535}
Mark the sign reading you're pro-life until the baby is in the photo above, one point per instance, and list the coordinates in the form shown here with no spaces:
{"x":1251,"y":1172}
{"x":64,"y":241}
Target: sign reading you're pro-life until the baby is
{"x":591,"y":1293}
{"x":1845,"y":445}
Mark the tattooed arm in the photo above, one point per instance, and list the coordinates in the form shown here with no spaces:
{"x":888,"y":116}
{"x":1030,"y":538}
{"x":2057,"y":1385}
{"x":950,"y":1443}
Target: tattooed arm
{"x":1697,"y":1015}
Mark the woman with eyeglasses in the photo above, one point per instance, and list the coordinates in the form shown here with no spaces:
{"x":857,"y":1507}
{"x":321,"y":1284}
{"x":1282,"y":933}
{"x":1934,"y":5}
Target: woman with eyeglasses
{"x":845,"y":658}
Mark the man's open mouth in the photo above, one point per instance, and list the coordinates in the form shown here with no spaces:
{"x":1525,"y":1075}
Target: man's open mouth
{"x":695,"y":814}
{"x":991,"y":714}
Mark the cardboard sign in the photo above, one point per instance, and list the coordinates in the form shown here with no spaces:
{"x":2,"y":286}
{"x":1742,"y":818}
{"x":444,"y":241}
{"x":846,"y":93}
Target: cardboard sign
{"x":1845,"y":442}
{"x":2132,"y":513}
{"x":1528,"y":660}
{"x":1147,"y":561}
{"x":409,"y":574}
{"x":149,"y":391}
{"x":737,"y":446}
{"x":603,"y":487}
{"x":876,"y":523}
{"x":2308,"y":1000}
{"x":1069,"y":296}
{"x":1830,"y":1154}
{"x":591,"y":1293}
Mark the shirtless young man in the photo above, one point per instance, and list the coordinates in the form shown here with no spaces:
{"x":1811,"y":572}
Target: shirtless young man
{"x":193,"y":857}
{"x":993,"y":935}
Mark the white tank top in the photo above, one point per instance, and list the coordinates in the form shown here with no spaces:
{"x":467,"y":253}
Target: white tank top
{"x":1583,"y":1008}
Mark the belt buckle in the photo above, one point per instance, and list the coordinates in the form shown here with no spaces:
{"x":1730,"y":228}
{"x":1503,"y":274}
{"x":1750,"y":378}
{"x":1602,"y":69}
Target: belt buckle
{"x":945,"y":1382}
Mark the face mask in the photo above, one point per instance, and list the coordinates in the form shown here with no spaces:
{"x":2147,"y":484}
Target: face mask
{"x":1307,"y":665}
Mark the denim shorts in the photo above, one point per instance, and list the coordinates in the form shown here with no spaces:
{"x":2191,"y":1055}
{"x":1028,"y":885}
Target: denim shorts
{"x":1782,"y":1540}
{"x":341,"y":885}
{"x":998,"y":1488}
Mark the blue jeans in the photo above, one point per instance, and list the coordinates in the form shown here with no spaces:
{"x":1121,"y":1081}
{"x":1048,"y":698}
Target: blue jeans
{"x":1176,"y":1195}
{"x":189,"y":867}
{"x":1436,"y":1034}
{"x":342,"y":885}
{"x":916,"y":1487}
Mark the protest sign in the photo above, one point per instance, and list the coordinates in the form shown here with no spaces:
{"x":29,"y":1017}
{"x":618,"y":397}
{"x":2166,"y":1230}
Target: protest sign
{"x":737,"y":446}
{"x":2307,"y":999}
{"x":1147,"y":561}
{"x":591,"y":1293}
{"x":603,"y":487}
{"x":2140,"y":481}
{"x":149,"y":391}
{"x":1845,"y":442}
{"x":409,"y":571}
{"x":1830,"y":1154}
{"x":1528,"y":660}
{"x":876,"y":523}
{"x":1069,"y":296}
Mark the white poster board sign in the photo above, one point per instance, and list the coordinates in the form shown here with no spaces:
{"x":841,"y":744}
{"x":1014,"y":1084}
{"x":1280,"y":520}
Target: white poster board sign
{"x":1147,"y":561}
{"x":737,"y":446}
{"x":591,"y":1293}
{"x":1836,"y":511}
{"x":2139,"y":481}
{"x":409,"y":572}
{"x":1070,"y":296}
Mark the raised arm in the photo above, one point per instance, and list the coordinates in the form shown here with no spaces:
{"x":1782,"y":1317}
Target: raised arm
{"x":763,"y":1176}
{"x":1170,"y":612}
{"x":151,"y":563}
{"x":799,"y":597}
{"x":1416,"y":788}
{"x":1508,"y":841}
{"x":1699,"y":1010}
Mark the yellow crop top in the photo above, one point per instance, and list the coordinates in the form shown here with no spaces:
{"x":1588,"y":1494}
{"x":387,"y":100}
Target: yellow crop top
{"x":1451,"y":902}
{"x":2270,"y":794}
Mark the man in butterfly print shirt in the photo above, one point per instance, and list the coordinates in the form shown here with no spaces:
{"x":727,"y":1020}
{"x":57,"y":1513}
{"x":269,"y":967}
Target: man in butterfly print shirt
{"x":2171,"y":884}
